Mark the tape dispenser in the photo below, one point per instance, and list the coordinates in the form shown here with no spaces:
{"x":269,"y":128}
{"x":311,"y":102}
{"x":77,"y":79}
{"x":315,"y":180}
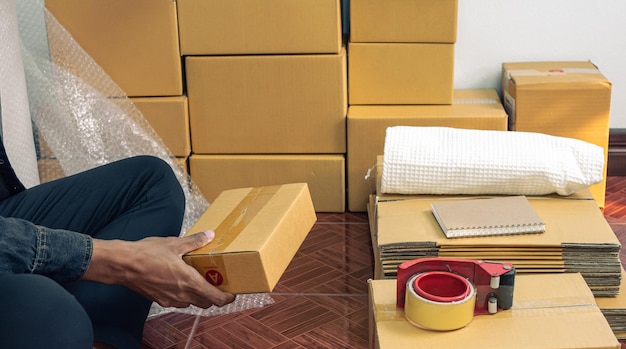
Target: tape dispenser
{"x":444,"y":294}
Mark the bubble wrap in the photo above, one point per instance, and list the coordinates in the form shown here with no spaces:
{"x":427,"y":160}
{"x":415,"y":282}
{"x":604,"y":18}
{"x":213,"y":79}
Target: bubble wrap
{"x":85,"y":120}
{"x":441,"y":160}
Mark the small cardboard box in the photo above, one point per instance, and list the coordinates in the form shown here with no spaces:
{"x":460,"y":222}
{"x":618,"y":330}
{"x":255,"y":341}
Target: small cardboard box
{"x":135,"y":42}
{"x":169,"y":118}
{"x":403,"y":21}
{"x":282,"y":104}
{"x":566,"y":99}
{"x":324,"y":174}
{"x":215,"y":27}
{"x":400,"y":73}
{"x":473,"y":109}
{"x":549,"y":311}
{"x":257,"y":233}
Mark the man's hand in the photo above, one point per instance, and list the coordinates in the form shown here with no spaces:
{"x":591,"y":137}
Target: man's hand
{"x":154,"y":268}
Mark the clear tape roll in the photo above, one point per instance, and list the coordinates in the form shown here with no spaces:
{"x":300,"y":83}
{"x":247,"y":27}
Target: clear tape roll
{"x":442,"y":314}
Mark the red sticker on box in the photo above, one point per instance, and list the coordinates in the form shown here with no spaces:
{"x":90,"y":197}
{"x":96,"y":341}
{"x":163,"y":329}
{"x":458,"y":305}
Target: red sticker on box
{"x":214,"y":277}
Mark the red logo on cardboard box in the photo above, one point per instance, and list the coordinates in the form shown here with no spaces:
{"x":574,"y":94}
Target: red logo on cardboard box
{"x":214,"y":277}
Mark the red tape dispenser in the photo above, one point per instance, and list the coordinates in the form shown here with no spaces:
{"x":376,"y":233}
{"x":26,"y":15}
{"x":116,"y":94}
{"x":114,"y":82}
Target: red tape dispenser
{"x":444,"y":294}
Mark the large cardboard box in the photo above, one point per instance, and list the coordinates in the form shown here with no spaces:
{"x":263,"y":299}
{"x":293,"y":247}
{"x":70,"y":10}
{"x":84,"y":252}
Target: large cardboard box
{"x":135,"y":42}
{"x":324,"y":174}
{"x":400,"y":73}
{"x":257,"y":233}
{"x":413,"y":21}
{"x":549,"y":311}
{"x":214,"y":27}
{"x":567,"y":99}
{"x":169,"y":118}
{"x":471,"y":109}
{"x":267,"y":104}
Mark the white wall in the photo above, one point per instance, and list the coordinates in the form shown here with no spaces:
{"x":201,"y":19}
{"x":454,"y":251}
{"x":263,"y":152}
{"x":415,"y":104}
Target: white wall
{"x":491,"y":32}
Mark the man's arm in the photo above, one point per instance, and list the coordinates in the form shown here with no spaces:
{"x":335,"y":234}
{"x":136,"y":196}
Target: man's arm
{"x":154,"y":268}
{"x":28,"y":248}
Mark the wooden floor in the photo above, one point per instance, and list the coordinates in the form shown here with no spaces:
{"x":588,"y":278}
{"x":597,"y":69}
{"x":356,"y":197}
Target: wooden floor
{"x":321,"y":301}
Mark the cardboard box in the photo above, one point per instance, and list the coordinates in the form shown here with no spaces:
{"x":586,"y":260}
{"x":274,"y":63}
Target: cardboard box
{"x":257,"y":233}
{"x":549,"y":311}
{"x":169,"y":117}
{"x":567,"y":99}
{"x":392,"y":73}
{"x":212,"y":27}
{"x":324,"y":174}
{"x":403,"y":21}
{"x":472,"y":109}
{"x":247,"y":104}
{"x":135,"y":42}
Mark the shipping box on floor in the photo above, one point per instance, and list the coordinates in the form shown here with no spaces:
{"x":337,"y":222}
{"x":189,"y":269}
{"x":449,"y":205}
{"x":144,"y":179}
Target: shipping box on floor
{"x":549,"y":311}
{"x":169,"y":118}
{"x":567,"y":99}
{"x":215,"y":27}
{"x":400,"y":73}
{"x":135,"y":42}
{"x":403,"y":21}
{"x":472,"y":109}
{"x":324,"y":174}
{"x":267,"y":104}
{"x":257,"y":233}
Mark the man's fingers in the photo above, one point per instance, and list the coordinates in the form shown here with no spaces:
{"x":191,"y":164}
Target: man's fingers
{"x":195,"y":241}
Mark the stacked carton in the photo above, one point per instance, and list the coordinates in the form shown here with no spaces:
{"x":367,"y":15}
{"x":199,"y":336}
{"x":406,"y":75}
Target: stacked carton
{"x":401,"y":72}
{"x":267,"y":89}
{"x":136,"y":43}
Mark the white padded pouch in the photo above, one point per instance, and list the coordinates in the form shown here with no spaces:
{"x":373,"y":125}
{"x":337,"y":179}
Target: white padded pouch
{"x":442,"y":160}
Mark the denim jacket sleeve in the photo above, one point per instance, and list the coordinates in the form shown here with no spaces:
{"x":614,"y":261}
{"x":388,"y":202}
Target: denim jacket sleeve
{"x":28,"y":248}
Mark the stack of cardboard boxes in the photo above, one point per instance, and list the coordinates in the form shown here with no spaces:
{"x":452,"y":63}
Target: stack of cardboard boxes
{"x":401,"y":72}
{"x":251,"y":93}
{"x":267,"y":95}
{"x":136,"y":43}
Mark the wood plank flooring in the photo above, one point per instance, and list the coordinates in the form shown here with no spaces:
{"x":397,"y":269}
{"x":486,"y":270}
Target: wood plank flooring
{"x":321,"y":300}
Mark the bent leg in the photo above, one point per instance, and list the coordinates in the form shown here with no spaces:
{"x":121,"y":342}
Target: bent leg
{"x":39,"y":313}
{"x":129,"y":200}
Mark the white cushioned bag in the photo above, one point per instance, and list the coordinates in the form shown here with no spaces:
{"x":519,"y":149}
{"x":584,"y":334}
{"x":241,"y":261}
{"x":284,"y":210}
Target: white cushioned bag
{"x":442,"y":160}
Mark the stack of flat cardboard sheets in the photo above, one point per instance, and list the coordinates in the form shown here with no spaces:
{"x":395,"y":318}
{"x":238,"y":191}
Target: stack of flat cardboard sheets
{"x":614,"y":310}
{"x":577,"y":240}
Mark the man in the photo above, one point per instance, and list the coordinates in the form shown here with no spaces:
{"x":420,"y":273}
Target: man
{"x":83,"y":257}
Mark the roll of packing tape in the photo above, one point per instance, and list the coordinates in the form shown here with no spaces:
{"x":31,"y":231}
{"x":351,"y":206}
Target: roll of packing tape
{"x":439,"y":301}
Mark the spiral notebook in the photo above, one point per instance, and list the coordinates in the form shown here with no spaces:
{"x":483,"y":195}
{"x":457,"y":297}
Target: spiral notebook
{"x":486,"y":217}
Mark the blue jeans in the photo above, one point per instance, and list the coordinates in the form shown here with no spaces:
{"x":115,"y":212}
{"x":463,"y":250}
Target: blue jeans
{"x":129,"y":200}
